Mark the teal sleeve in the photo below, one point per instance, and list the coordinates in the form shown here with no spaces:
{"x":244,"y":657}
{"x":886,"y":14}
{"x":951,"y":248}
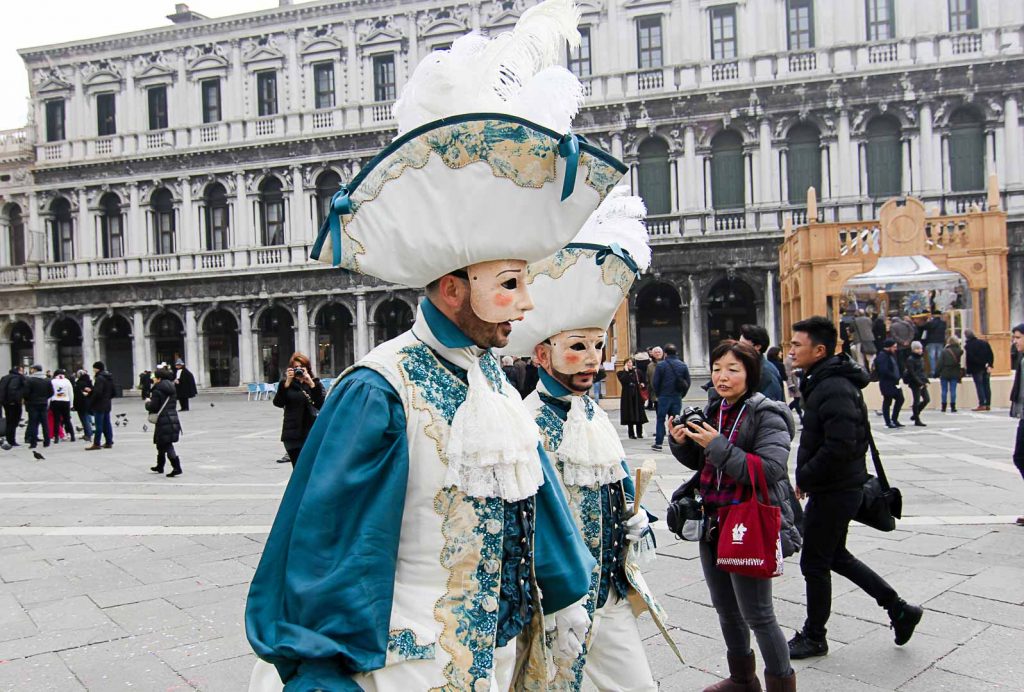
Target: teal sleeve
{"x":320,"y":602}
{"x":563,"y":562}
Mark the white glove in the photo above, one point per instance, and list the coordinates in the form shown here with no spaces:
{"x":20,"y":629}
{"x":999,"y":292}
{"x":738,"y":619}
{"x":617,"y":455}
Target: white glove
{"x":570,"y":625}
{"x":636,"y":525}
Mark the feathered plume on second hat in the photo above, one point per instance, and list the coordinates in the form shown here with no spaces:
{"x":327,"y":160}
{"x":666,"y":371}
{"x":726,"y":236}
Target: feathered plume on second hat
{"x":484,"y":167}
{"x":582,"y":285}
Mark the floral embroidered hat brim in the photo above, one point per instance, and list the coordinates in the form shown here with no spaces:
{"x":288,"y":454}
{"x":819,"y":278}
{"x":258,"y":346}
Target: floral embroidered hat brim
{"x":582,"y":285}
{"x":485,"y":166}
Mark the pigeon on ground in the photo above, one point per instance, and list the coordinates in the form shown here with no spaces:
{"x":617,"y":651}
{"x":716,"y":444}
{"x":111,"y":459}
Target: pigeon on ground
{"x":37,"y":455}
{"x":4,"y":445}
{"x":211,"y":404}
{"x":145,"y":428}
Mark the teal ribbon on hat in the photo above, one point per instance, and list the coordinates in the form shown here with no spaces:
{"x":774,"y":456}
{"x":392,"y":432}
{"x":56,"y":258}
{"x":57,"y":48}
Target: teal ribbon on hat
{"x":616,"y":249}
{"x":569,"y":149}
{"x":341,"y":203}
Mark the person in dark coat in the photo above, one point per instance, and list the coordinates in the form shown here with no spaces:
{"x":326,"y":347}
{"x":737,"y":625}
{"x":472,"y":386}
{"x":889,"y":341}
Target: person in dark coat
{"x":978,"y":361}
{"x":756,"y":336}
{"x":831,"y":472}
{"x":146,"y":383}
{"x":167,"y":429}
{"x":917,"y":380}
{"x":934,"y":342}
{"x":37,"y":393}
{"x":100,"y":395}
{"x":511,"y":372}
{"x":888,"y":370}
{"x":530,"y":378}
{"x":12,"y":394}
{"x":83,"y":383}
{"x":950,"y":372}
{"x":300,"y":395}
{"x":631,"y":400}
{"x":184,"y":383}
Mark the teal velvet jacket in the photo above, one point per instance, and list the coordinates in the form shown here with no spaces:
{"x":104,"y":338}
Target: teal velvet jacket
{"x":319,"y":605}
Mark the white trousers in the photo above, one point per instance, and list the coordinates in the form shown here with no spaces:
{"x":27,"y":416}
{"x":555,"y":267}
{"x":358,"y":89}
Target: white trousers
{"x":616,"y":661}
{"x":408,"y":676}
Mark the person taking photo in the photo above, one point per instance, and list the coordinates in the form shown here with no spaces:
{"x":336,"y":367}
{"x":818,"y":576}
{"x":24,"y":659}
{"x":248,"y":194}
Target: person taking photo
{"x":300,"y":395}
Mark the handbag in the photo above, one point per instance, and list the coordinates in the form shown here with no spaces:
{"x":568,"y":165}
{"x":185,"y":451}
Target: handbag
{"x":685,"y":513}
{"x":313,"y":410}
{"x":750,"y":533}
{"x":882,"y":504}
{"x":154,"y":417}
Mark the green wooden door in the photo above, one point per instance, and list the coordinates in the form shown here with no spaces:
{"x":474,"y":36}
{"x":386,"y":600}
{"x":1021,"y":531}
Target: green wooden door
{"x":728,"y":185}
{"x":803,"y":163}
{"x":885,"y":159}
{"x":967,"y":157}
{"x":654,"y":178}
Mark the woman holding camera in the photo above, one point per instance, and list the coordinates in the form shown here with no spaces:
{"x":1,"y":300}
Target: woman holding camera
{"x":167,"y":428}
{"x":300,"y":395}
{"x":740,"y":424}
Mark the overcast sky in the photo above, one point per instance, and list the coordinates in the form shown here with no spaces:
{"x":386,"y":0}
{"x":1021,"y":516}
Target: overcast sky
{"x":28,"y":23}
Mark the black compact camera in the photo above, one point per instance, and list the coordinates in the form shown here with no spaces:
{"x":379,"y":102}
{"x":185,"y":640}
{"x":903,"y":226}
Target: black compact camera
{"x":690,"y":414}
{"x":298,"y":373}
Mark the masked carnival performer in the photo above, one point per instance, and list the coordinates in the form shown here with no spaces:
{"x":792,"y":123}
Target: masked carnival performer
{"x":576,"y":294}
{"x":424,"y":531}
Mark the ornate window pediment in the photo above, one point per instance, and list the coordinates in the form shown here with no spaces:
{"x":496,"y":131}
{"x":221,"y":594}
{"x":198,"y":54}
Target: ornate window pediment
{"x":206,"y":61}
{"x":648,"y":4}
{"x":319,"y":43}
{"x":102,"y":76}
{"x":443,"y":22}
{"x":590,"y":8}
{"x":263,"y":49}
{"x":153,"y":69}
{"x":51,"y":82}
{"x":503,"y":15}
{"x":379,"y":32}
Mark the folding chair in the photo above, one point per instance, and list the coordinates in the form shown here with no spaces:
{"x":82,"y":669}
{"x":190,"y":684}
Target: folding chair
{"x":251,"y":388}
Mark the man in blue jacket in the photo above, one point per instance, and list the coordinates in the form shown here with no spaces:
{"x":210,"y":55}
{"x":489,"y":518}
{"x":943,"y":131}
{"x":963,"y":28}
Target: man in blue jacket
{"x":888,"y":370}
{"x":771,"y":382}
{"x":671,"y":383}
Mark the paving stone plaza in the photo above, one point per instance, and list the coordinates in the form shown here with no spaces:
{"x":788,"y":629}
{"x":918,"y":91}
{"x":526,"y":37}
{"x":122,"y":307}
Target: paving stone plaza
{"x":114,"y":578}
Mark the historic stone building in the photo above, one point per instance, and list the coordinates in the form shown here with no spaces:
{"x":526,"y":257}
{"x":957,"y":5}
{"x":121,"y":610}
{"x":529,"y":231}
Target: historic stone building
{"x":163,"y":198}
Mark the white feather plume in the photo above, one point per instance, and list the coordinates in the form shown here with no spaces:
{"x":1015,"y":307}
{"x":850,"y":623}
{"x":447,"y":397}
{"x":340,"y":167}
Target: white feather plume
{"x":619,"y":219}
{"x":496,"y":75}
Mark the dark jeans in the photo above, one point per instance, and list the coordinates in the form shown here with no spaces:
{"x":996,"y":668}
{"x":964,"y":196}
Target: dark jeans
{"x":983,"y":384}
{"x":827,"y":518}
{"x":12,"y":412}
{"x":635,"y":430}
{"x":1018,"y":449}
{"x":85,"y":419}
{"x":164,"y":452}
{"x":101,"y":426}
{"x":667,"y":406}
{"x":921,"y":400}
{"x":293,"y":452}
{"x":949,"y":386}
{"x":887,"y":402}
{"x":62,"y":419}
{"x":744,"y":604}
{"x":37,"y":419}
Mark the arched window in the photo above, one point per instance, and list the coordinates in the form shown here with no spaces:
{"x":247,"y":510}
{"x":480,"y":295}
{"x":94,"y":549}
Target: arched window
{"x":216,"y":217}
{"x":62,"y":235}
{"x":803,"y":162}
{"x":15,"y":235}
{"x":326,"y":185}
{"x":653,"y":177}
{"x":111,"y":226}
{"x":271,"y":211}
{"x":885,"y":158}
{"x":163,"y":221}
{"x":392,"y":317}
{"x":728,"y":187}
{"x":966,"y":151}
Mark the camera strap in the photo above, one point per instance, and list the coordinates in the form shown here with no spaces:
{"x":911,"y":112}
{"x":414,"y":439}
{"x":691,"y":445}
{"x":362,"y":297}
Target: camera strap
{"x":731,"y":437}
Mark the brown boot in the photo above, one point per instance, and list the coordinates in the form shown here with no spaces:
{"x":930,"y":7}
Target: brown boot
{"x":742,"y":676}
{"x":776,"y":684}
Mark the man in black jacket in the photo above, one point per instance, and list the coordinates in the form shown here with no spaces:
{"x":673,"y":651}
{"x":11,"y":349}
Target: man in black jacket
{"x":100,"y":403}
{"x":978,"y":360}
{"x":12,"y":387}
{"x":37,"y":393}
{"x":830,"y":471}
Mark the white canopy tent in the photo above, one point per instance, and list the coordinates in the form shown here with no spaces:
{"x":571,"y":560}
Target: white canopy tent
{"x":905,"y":273}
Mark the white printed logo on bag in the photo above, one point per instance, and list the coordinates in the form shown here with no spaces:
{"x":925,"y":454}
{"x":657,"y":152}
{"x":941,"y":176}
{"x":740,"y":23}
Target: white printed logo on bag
{"x":737,"y":534}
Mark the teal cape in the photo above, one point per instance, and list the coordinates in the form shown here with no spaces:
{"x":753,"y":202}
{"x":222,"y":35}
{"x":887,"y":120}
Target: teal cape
{"x":319,"y":606}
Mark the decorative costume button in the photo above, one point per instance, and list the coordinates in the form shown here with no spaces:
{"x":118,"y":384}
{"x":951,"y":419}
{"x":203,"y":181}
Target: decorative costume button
{"x":595,"y":541}
{"x":490,"y":604}
{"x":482,"y":685}
{"x":493,"y":526}
{"x":492,"y":566}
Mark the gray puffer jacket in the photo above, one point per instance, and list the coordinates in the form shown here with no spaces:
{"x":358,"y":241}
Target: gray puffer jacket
{"x":767,"y":431}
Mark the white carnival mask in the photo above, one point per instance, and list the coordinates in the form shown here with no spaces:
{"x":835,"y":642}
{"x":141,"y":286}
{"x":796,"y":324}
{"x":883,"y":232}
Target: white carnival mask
{"x":498,"y":290}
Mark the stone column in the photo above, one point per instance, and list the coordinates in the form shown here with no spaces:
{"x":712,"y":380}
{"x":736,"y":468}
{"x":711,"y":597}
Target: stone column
{"x":192,"y":340}
{"x":862,"y":174}
{"x":5,"y":354}
{"x":1011,"y":136}
{"x":302,"y":329}
{"x":748,"y":177}
{"x":51,"y":356}
{"x":766,"y":190}
{"x":690,"y":172}
{"x":301,"y":228}
{"x":362,"y":327}
{"x":696,"y":325}
{"x":846,"y":161}
{"x":134,"y":236}
{"x":39,"y":341}
{"x":141,"y":351}
{"x":35,"y":247}
{"x":783,"y":177}
{"x":203,"y":364}
{"x":90,"y":353}
{"x":770,"y":322}
{"x":947,"y":179}
{"x":927,"y":163}
{"x":86,"y":244}
{"x":990,"y":152}
{"x":908,"y":173}
{"x":188,"y":236}
{"x":245,"y":347}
